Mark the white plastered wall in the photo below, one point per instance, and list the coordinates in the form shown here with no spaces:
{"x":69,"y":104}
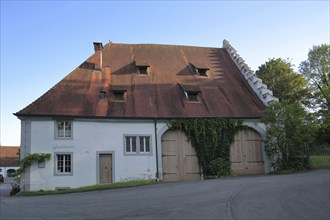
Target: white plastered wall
{"x":90,"y":138}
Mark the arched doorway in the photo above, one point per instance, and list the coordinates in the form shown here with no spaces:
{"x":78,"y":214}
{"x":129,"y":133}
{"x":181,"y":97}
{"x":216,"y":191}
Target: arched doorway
{"x":246,"y":154}
{"x":179,"y":158}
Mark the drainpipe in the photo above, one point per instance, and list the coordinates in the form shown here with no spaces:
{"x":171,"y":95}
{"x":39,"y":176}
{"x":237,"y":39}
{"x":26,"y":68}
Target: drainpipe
{"x":156,"y":145}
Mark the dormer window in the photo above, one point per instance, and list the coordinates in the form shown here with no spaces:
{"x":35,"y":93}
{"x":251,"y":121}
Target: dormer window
{"x":118,"y":93}
{"x":142,"y":67}
{"x":200,"y":69}
{"x":191,"y":92}
{"x":191,"y":96}
{"x":201,"y":72}
{"x":143,"y":70}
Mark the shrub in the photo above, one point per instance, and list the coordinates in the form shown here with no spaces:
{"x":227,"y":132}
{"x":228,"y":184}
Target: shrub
{"x":14,"y":189}
{"x":220,"y":167}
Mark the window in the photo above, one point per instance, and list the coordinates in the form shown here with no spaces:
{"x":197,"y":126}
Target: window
{"x":144,"y":144}
{"x":63,"y":164}
{"x":200,"y":68}
{"x":118,"y":92}
{"x":118,"y":95}
{"x":191,"y":92}
{"x":142,"y":66}
{"x":201,"y":72}
{"x":192,"y":96}
{"x":64,"y":129}
{"x":102,"y":94}
{"x":137,"y":145}
{"x":143,"y":70}
{"x":130,"y":144}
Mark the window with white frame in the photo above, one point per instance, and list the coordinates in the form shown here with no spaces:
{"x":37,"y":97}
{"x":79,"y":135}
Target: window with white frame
{"x":130,"y":144}
{"x":144,"y":144}
{"x":137,"y":144}
{"x":63,"y":163}
{"x":64,"y":129}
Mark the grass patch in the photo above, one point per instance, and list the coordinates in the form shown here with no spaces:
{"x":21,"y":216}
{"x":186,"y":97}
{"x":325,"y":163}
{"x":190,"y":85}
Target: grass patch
{"x":320,"y":161}
{"x":90,"y":188}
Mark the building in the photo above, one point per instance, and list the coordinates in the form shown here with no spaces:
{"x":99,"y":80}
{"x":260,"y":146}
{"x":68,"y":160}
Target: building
{"x":9,"y":160}
{"x":107,"y":120}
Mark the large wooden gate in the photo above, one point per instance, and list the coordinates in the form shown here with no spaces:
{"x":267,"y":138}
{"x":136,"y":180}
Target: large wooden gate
{"x":246,"y":153}
{"x":179,"y":158}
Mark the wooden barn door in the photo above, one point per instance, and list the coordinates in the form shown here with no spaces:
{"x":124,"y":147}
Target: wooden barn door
{"x":246,"y":153}
{"x":180,"y":161}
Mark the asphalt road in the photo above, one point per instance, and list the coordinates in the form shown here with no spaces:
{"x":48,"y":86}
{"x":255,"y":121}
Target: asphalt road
{"x":5,"y":187}
{"x":297,"y":196}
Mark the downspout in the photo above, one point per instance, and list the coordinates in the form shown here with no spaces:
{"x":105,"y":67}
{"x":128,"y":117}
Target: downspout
{"x":156,"y":145}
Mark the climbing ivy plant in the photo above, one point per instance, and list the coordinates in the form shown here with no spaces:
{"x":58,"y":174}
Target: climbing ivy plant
{"x":30,"y":158}
{"x":211,"y":139}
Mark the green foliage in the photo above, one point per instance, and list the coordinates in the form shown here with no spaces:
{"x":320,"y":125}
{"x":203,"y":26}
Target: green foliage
{"x":211,"y":139}
{"x":286,"y":85}
{"x":29,"y":159}
{"x":316,"y":69}
{"x":289,"y":129}
{"x":220,"y":167}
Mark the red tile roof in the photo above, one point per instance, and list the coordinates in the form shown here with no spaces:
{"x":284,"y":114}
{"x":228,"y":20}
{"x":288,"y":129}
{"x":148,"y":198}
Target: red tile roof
{"x":8,"y":156}
{"x":223,"y":93}
{"x":8,"y":151}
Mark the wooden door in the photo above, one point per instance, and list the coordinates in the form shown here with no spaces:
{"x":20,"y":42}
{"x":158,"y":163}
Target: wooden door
{"x":246,"y":153}
{"x":180,"y":160}
{"x":105,"y":166}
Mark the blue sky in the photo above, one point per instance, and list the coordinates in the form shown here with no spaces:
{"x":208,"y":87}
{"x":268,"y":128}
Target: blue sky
{"x":42,"y":42}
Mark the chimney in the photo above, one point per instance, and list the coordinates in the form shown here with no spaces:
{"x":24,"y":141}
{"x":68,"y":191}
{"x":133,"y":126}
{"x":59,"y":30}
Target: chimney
{"x":107,"y":71}
{"x":98,"y":47}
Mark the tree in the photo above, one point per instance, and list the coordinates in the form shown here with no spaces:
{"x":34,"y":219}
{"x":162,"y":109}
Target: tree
{"x":280,"y":77}
{"x":289,"y":130}
{"x":316,"y":69}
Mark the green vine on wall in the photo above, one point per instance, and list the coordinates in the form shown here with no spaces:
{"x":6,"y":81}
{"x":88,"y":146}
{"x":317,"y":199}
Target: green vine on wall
{"x":211,"y":139}
{"x":30,"y":158}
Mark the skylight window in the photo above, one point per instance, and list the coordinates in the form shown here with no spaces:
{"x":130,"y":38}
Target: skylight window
{"x":102,"y":94}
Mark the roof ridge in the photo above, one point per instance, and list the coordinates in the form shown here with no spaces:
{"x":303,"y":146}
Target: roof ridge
{"x":259,"y":88}
{"x":159,"y":44}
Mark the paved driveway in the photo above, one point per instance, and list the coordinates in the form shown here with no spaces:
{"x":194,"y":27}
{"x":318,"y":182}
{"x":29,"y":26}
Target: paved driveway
{"x":297,"y":196}
{"x":5,"y":187}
